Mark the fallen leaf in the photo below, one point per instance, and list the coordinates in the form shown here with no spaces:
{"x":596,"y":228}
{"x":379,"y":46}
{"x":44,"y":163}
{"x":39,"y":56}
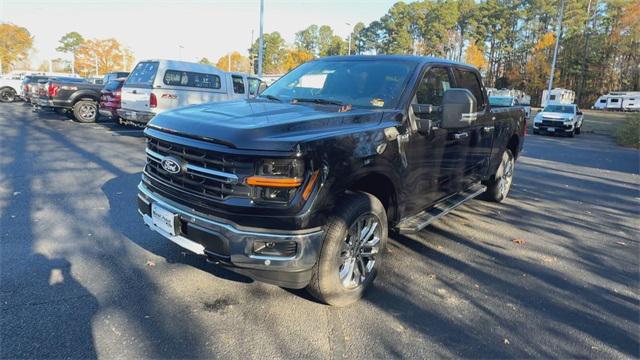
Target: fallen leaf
{"x":519,"y":241}
{"x":506,"y":341}
{"x":150,"y":263}
{"x":440,"y":247}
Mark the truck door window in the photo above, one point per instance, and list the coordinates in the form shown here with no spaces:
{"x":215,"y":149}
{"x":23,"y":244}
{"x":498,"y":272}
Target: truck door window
{"x":432,"y":87}
{"x":238,"y":84}
{"x":254,"y":85}
{"x":469,"y":80}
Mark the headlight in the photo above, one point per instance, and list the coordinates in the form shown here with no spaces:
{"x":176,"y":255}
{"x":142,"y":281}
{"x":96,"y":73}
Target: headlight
{"x":276,"y":180}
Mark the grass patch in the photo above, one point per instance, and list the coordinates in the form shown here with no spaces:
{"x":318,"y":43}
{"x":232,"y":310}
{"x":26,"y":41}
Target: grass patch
{"x":628,"y":133}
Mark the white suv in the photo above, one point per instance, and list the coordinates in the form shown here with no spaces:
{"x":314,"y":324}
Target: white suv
{"x":563,"y":119}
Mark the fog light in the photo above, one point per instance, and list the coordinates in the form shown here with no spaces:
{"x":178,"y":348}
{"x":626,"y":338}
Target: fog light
{"x":273,"y":248}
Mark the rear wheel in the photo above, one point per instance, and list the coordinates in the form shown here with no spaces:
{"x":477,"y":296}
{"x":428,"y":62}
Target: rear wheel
{"x":7,"y":95}
{"x":85,"y":111}
{"x":354,"y":241}
{"x":498,"y":188}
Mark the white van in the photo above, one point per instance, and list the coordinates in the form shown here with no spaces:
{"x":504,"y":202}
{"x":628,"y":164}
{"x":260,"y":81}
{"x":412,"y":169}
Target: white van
{"x":155,"y":86}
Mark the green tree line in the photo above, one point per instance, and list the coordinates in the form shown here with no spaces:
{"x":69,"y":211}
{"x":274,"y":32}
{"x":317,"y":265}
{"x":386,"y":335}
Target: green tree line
{"x":511,"y":41}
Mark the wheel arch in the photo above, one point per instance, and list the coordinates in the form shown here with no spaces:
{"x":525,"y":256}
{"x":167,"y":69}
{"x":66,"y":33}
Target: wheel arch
{"x":380,"y":186}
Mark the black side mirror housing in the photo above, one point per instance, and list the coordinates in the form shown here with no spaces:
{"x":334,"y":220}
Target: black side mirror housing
{"x":458,"y":108}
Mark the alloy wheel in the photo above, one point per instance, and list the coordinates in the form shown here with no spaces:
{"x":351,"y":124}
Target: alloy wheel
{"x":359,"y":251}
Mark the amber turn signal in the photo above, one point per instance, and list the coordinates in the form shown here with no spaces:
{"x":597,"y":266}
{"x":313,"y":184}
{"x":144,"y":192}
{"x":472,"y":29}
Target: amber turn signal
{"x":273,"y":182}
{"x":309,"y":187}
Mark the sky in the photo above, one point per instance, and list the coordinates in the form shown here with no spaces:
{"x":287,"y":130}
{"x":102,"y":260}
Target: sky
{"x":173,"y":29}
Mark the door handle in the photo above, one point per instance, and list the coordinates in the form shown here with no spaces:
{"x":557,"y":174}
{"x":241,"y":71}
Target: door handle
{"x":488,"y":129}
{"x":461,"y":135}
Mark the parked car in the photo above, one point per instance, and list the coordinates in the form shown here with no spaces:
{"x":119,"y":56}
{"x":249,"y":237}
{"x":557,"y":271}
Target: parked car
{"x":29,"y":83}
{"x":509,"y":101}
{"x":155,"y":86}
{"x":110,"y":98}
{"x":76,"y":97}
{"x":558,"y":119}
{"x":299,"y":186}
{"x":10,"y":87}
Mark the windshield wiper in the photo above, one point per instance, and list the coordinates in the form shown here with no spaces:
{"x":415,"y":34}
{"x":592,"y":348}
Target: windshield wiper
{"x":270,"y":97}
{"x":318,"y":101}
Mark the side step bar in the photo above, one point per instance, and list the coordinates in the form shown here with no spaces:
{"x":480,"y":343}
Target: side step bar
{"x":421,"y":220}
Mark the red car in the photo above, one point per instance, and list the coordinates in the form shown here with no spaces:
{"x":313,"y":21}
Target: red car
{"x":110,"y":98}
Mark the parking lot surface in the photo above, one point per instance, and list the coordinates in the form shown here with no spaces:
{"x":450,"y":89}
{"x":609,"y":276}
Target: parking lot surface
{"x":551,"y":272}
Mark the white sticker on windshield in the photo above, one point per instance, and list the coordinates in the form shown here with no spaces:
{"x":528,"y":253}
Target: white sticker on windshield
{"x":377,"y":102}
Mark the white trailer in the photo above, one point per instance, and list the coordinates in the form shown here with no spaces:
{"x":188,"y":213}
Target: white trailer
{"x":601,"y":103}
{"x":631,"y":103}
{"x":558,"y":96}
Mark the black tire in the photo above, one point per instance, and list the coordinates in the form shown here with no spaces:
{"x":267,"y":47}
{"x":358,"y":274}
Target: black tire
{"x":572,"y":133}
{"x":536,"y":132}
{"x":578,"y":130}
{"x":500,"y":184}
{"x":85,"y":111}
{"x":7,"y":95}
{"x":337,"y":276}
{"x":60,"y":111}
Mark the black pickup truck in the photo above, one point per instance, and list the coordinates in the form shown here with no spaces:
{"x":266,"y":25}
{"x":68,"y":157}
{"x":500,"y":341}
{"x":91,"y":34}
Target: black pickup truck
{"x":74,"y":96}
{"x":300,"y":186}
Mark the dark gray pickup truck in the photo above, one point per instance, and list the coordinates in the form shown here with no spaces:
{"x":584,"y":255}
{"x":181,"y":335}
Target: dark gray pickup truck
{"x":77,"y":97}
{"x":299,"y":186}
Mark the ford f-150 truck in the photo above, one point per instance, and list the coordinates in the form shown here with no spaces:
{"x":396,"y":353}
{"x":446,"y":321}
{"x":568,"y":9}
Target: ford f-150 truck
{"x":76,"y":97}
{"x":300,"y":186}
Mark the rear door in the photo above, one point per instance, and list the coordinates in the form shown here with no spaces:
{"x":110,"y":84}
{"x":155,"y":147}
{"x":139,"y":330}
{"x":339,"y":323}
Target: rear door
{"x":136,"y":91}
{"x":482,"y":130}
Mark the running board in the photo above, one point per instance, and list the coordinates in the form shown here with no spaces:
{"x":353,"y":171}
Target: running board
{"x":423,"y":219}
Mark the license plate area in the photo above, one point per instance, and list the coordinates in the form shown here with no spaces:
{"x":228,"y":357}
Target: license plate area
{"x":164,"y":219}
{"x":550,"y":129}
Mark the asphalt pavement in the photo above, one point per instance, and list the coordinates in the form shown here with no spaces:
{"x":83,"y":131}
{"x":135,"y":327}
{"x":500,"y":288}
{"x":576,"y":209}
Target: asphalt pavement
{"x":553,"y":272}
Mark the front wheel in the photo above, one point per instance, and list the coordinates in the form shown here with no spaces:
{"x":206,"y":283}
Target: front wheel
{"x":353,"y":245}
{"x":7,"y":95}
{"x":578,"y":130}
{"x":498,"y":187}
{"x":85,"y":111}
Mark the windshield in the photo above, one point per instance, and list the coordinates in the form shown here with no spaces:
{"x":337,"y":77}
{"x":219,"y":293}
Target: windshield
{"x":567,"y":109}
{"x":365,"y":84}
{"x":499,"y":101}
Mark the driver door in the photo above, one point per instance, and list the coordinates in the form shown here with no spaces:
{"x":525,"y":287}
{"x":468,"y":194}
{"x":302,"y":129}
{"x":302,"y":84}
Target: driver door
{"x":435,"y":159}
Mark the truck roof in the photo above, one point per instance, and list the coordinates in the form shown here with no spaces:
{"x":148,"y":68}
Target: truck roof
{"x":411,"y":58}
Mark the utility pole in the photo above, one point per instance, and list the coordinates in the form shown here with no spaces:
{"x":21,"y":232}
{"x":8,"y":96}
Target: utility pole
{"x":555,"y":50}
{"x":586,"y":51}
{"x":261,"y":41}
{"x":96,"y":64}
{"x":229,"y":62}
{"x":253,"y":66}
{"x":350,"y":32}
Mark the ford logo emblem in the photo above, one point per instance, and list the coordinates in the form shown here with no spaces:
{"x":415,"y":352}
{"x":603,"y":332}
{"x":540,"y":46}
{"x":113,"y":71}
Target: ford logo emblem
{"x":171,"y":165}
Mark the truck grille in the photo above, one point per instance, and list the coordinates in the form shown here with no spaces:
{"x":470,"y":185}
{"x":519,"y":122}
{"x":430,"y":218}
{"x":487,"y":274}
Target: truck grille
{"x":206,"y":174}
{"x":554,"y":123}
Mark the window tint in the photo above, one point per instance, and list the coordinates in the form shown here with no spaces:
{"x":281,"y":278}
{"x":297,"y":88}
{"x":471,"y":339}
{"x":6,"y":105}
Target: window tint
{"x":143,"y":74}
{"x":552,"y":97}
{"x":238,"y":84}
{"x":433,"y":86}
{"x":468,"y":80}
{"x":254,"y":85}
{"x":191,"y":79}
{"x":614,"y":100}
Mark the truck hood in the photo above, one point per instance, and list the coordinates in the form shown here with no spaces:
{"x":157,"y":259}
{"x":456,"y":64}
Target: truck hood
{"x":258,"y":124}
{"x":556,"y":115}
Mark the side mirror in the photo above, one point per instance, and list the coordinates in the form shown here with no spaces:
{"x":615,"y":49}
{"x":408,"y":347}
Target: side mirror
{"x":458,"y":108}
{"x":579,"y":112}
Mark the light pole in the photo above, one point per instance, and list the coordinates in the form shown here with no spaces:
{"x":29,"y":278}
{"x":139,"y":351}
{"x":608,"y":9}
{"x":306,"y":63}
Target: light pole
{"x":555,"y":50}
{"x":350,"y":33}
{"x":261,"y":41}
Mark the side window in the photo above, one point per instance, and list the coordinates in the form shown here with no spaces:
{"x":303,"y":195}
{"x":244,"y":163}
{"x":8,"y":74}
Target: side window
{"x":254,"y":85}
{"x":191,"y":79}
{"x":432,"y":87}
{"x":469,"y":80}
{"x":238,"y":84}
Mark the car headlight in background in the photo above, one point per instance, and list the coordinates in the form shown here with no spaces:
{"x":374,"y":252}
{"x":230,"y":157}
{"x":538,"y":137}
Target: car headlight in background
{"x":276,"y":180}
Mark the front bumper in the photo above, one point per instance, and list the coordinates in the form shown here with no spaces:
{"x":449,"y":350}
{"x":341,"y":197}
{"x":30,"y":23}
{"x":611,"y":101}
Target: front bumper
{"x":233,"y":246}
{"x":142,"y":117}
{"x":560,"y":129}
